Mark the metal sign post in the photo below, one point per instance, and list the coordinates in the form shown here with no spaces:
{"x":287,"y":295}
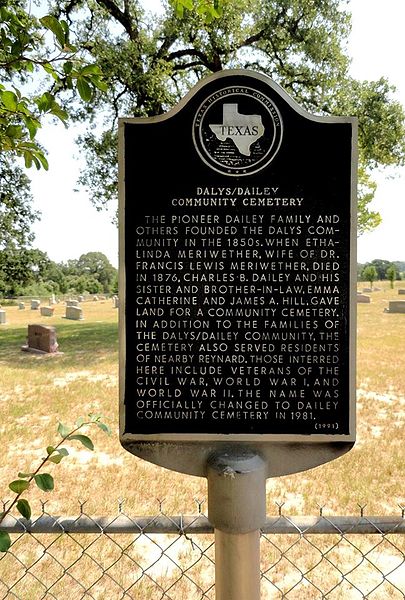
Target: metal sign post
{"x":237,"y":509}
{"x":237,"y":310}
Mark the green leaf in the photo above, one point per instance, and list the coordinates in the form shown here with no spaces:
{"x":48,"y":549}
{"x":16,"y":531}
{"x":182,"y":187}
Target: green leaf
{"x":24,"y":508}
{"x":91,"y":70}
{"x":179,"y":10}
{"x":32,"y":126}
{"x":65,"y":27}
{"x":44,"y":482}
{"x":99,"y":84}
{"x":63,"y":430}
{"x":19,"y":485}
{"x":49,"y":69}
{"x":86,"y":441}
{"x":28,"y":159}
{"x":59,"y":456}
{"x":14,"y":131}
{"x":45,"y":102}
{"x":36,"y":161}
{"x":52,"y":23}
{"x":59,"y":112}
{"x":80,"y":421}
{"x":9,"y":100}
{"x":5,"y":541}
{"x":84,"y":89}
{"x":41,"y":160}
{"x":16,"y":48}
{"x":25,"y":475}
{"x":104,"y":428}
{"x":67,"y":67}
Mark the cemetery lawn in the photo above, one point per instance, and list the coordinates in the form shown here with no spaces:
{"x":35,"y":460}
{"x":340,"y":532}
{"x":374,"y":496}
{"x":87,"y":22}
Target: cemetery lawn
{"x":36,"y":392}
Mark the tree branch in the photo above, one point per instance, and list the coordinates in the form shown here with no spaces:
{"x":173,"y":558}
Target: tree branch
{"x":210,"y":64}
{"x":124,"y":18}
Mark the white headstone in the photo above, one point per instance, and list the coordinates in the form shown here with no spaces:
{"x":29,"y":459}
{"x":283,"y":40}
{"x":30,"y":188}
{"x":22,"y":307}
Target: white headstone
{"x":74,"y":312}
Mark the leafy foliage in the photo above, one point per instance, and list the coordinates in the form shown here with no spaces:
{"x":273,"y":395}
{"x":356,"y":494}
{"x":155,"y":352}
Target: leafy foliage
{"x":150,"y":61}
{"x":370,"y":274}
{"x":209,"y":9}
{"x":20,"y":267}
{"x":33,"y":51}
{"x":391,"y":274}
{"x":16,"y":214}
{"x":25,"y":54}
{"x":25,"y":271}
{"x":45,"y":481}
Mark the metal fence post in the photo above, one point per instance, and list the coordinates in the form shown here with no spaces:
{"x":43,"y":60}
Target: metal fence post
{"x":237,"y":509}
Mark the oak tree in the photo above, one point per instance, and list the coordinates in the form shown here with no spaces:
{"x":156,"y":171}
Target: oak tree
{"x":150,"y":60}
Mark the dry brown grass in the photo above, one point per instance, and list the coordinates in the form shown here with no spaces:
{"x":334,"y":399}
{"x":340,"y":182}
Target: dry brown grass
{"x":36,"y":392}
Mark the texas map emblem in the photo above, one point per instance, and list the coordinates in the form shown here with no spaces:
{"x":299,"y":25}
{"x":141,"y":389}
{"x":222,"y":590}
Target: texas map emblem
{"x":237,"y":131}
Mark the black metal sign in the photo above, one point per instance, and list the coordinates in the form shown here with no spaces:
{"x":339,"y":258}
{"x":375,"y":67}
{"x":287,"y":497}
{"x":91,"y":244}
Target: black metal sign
{"x":237,"y":258}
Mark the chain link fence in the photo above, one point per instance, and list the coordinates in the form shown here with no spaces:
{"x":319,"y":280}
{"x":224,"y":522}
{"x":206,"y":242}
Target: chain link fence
{"x":172,"y":557}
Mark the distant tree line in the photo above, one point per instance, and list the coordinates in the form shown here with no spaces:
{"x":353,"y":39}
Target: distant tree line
{"x":28,"y":271}
{"x":379,"y":270}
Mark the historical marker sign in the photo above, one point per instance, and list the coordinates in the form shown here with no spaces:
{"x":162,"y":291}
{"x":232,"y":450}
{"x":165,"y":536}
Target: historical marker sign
{"x":238,"y":217}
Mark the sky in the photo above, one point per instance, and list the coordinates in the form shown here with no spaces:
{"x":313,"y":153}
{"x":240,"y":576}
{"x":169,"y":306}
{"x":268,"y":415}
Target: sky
{"x":71,"y":226}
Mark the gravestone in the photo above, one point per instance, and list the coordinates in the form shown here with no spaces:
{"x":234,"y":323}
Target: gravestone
{"x":401,"y":291}
{"x":2,"y":317}
{"x":72,"y":303}
{"x":116,"y":302}
{"x":239,"y":272}
{"x":35,"y":304}
{"x":21,"y":306}
{"x":41,"y":338}
{"x":95,"y":298}
{"x":362,"y":298}
{"x":367,"y":290}
{"x":47,"y":311}
{"x":396,"y":306}
{"x":81,"y":298}
{"x":74,"y":312}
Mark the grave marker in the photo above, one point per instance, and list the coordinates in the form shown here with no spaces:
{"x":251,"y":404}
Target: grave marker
{"x":74,"y":312}
{"x":72,"y":303}
{"x":41,"y":338}
{"x":396,"y":306}
{"x":241,"y":253}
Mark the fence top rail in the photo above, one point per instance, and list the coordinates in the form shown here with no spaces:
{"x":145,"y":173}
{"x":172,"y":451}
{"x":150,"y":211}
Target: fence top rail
{"x":199,"y":524}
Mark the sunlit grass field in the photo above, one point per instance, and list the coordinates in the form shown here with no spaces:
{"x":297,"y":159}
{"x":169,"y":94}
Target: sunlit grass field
{"x":36,"y":392}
